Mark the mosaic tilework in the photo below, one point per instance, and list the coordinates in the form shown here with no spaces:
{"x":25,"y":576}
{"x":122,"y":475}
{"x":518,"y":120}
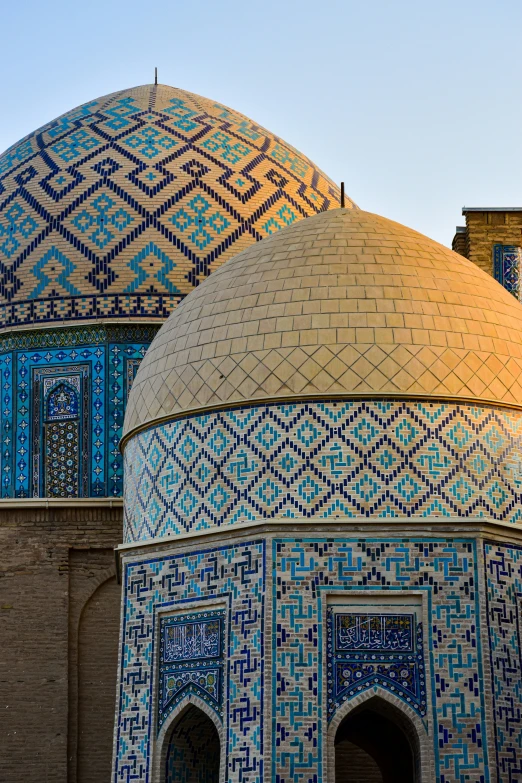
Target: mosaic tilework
{"x":191,"y":660}
{"x":235,"y":575}
{"x":309,"y":569}
{"x":304,"y":459}
{"x":506,"y":267}
{"x":60,"y":411}
{"x":122,"y":205}
{"x":503,"y":573}
{"x":48,"y":451}
{"x":365,"y":650}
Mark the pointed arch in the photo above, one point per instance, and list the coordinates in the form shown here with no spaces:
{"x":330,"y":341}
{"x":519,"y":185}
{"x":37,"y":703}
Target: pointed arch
{"x":192,"y":726}
{"x":376,"y":710}
{"x":62,"y":402}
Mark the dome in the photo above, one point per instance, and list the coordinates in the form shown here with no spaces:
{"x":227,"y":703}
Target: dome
{"x":344,"y":303}
{"x":119,"y":207}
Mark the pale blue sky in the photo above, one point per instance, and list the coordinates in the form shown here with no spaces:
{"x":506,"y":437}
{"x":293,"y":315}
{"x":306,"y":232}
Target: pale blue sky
{"x":416,"y":105}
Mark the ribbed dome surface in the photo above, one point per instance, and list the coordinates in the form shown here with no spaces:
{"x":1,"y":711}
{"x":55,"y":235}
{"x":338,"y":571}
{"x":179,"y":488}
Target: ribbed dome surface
{"x":344,"y":303}
{"x":122,"y":205}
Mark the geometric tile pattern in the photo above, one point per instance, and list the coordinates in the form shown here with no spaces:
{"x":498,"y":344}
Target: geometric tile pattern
{"x":506,"y":267}
{"x":233,"y":574}
{"x":191,"y":660}
{"x":65,"y":441}
{"x":503,"y":575}
{"x":369,"y":649}
{"x":98,"y":364}
{"x":344,"y":303}
{"x":121,"y":206}
{"x":308,"y":570}
{"x":326,"y":459}
{"x":446,"y":570}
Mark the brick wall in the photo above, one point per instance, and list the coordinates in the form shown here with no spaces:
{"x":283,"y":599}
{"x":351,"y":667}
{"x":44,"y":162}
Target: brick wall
{"x":97,"y":662}
{"x":354,"y":764}
{"x":485,"y":229}
{"x":55,"y":563}
{"x":460,"y":241}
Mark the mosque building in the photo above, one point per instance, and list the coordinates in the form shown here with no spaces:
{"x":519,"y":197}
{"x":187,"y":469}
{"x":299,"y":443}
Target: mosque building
{"x":319,"y":446}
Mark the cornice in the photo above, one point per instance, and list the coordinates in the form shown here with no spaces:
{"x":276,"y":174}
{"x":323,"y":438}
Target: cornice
{"x":350,"y":527}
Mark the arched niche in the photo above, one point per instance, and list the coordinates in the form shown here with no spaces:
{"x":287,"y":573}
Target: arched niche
{"x":375,"y":740}
{"x":192,"y":748}
{"x":97,"y":658}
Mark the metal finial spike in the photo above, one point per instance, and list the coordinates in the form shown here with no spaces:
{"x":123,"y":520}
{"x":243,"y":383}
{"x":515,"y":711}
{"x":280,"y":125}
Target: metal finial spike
{"x":155,"y":75}
{"x":342,"y":195}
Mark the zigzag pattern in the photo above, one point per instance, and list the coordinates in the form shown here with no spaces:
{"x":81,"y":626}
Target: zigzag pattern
{"x":323,"y":459}
{"x":151,"y":166}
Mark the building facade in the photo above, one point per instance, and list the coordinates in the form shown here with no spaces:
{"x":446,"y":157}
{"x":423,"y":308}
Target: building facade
{"x":492,"y":239}
{"x":109,"y":216}
{"x":322,"y":558}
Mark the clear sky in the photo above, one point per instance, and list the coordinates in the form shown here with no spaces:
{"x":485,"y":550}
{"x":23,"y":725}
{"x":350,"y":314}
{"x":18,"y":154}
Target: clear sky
{"x":416,"y":105}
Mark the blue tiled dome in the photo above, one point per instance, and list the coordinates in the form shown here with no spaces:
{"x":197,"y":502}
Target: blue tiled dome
{"x":122,"y":205}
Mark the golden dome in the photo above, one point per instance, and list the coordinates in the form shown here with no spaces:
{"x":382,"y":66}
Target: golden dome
{"x":343,"y":304}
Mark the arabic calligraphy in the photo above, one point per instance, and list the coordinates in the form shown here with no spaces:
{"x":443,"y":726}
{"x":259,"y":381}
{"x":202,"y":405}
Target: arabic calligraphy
{"x":191,"y":660}
{"x":192,"y":640}
{"x":374,"y":632}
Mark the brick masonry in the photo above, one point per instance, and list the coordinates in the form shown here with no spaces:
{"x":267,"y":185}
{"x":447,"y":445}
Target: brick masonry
{"x":485,"y":229}
{"x":57,"y":597}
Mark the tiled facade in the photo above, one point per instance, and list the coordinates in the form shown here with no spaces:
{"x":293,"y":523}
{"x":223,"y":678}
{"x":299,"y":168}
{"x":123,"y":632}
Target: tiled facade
{"x":121,"y":206}
{"x":506,"y":267}
{"x":232,"y":578}
{"x":64,"y":393}
{"x":468,"y":737}
{"x":503,"y":588}
{"x":324,"y":459}
{"x":432,"y":646}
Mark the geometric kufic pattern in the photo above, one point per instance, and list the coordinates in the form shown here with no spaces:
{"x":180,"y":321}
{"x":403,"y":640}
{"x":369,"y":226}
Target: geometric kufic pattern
{"x":327,"y":459}
{"x":507,"y":268}
{"x":100,"y":363}
{"x":503,"y":574}
{"x":309,"y":569}
{"x":191,"y":660}
{"x":371,"y":649}
{"x":121,"y":206}
{"x":234,"y":574}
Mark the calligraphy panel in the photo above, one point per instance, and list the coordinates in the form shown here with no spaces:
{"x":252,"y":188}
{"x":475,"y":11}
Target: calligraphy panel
{"x":191,"y":660}
{"x":375,"y":632}
{"x":381,"y":648}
